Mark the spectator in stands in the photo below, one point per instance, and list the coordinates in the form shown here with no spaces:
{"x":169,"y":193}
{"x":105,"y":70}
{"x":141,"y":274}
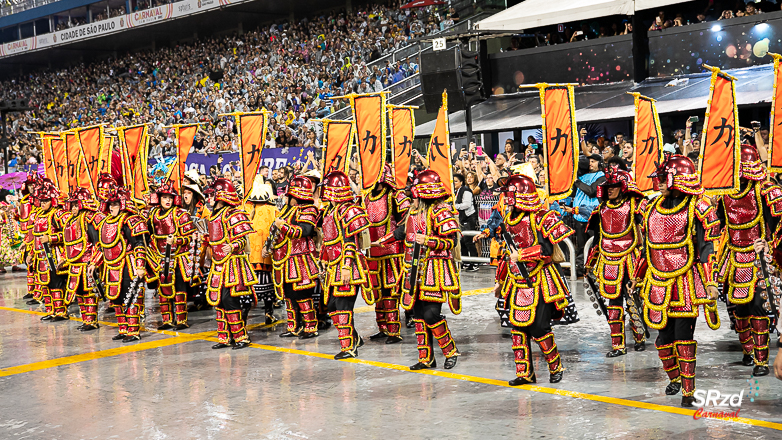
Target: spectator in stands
{"x":627,"y":154}
{"x":464,"y":202}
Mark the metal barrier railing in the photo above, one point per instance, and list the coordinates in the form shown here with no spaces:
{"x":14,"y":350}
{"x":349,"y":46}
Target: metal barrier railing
{"x":587,"y":246}
{"x":571,"y":264}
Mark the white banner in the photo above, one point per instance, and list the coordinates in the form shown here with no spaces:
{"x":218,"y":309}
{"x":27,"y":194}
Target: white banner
{"x":117,"y":24}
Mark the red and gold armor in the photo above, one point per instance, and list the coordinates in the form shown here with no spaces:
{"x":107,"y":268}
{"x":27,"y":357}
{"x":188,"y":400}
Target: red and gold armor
{"x":385,"y":205}
{"x":753,"y":213}
{"x":231,"y":278}
{"x":675,"y":271}
{"x":294,"y":264}
{"x":745,"y":222}
{"x":172,"y":286}
{"x":80,"y":236}
{"x":26,"y":208}
{"x":617,"y":227}
{"x":121,"y":249}
{"x":532,"y":229}
{"x":49,"y":282}
{"x":343,"y":222}
{"x":433,"y":217}
{"x":675,"y":284}
{"x":342,"y":225}
{"x":438,"y":278}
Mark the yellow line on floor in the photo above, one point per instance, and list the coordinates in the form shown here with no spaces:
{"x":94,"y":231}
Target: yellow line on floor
{"x":367,"y":309}
{"x":208,"y":336}
{"x":503,"y":383}
{"x":67,"y":360}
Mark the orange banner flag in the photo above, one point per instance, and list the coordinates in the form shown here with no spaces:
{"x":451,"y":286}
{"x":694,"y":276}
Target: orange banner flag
{"x":370,"y":113}
{"x":647,"y":135}
{"x":440,"y":147}
{"x":560,"y":143}
{"x":775,"y":132}
{"x":105,"y":155}
{"x":77,"y":166}
{"x":402,"y":134}
{"x":90,"y":144}
{"x":720,"y":156}
{"x":338,"y":136}
{"x":135,"y":152}
{"x":185,"y":135}
{"x":60,"y":156}
{"x":49,"y":167}
{"x":252,"y":134}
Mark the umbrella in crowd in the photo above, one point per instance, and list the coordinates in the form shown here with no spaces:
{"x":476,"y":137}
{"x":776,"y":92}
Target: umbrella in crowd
{"x":12,"y":180}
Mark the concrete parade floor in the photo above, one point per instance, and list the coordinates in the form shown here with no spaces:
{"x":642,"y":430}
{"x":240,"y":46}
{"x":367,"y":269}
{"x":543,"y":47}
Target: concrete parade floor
{"x":59,"y":383}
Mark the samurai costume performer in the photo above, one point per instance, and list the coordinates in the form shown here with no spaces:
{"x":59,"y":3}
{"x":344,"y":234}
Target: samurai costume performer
{"x":540,"y":294}
{"x":81,"y":236}
{"x":199,"y":214}
{"x":295,"y":270}
{"x":750,"y":214}
{"x":48,"y":260}
{"x":342,"y":222}
{"x":262,"y":214}
{"x":121,"y":252}
{"x":616,"y":224}
{"x":231,"y":278}
{"x":27,"y":205}
{"x":436,"y":279}
{"x":386,"y":207}
{"x":175,"y":262}
{"x":675,"y":270}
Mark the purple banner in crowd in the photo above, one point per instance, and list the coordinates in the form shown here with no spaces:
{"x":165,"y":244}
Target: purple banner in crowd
{"x":271,"y":157}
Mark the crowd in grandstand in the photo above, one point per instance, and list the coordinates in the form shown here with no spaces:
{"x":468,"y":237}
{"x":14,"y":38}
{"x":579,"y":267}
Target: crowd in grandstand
{"x":289,"y":68}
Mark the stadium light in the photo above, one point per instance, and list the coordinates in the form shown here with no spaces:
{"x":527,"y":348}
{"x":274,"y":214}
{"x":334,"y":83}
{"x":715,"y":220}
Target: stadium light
{"x":716,"y":28}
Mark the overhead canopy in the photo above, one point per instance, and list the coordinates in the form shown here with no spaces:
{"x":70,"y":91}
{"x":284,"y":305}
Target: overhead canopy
{"x":605,"y":102}
{"x":536,"y":13}
{"x":640,"y":5}
{"x":421,"y":4}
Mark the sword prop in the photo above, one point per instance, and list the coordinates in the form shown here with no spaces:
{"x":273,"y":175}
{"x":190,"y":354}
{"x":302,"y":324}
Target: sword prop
{"x":47,"y":250}
{"x":594,"y":295}
{"x":167,"y":262}
{"x":198,"y":222}
{"x":99,"y":286}
{"x":635,"y":307}
{"x":512,"y":247}
{"x":133,"y":292}
{"x":770,"y":304}
{"x":412,"y":275}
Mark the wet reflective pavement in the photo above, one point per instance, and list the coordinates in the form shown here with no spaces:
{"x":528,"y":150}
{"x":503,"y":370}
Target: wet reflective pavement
{"x":57,"y":382}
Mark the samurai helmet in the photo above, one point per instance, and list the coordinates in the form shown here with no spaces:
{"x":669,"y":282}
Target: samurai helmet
{"x":29,"y":186}
{"x":616,"y":178}
{"x":520,"y":192}
{"x":166,"y":189}
{"x":106,"y":184}
{"x":117,"y":195}
{"x":46,"y":190}
{"x":336,"y":187}
{"x":427,"y":185}
{"x":223,"y":191}
{"x":301,"y":188}
{"x":83,"y":199}
{"x":388,"y":177}
{"x":751,"y":168}
{"x":679,"y":173}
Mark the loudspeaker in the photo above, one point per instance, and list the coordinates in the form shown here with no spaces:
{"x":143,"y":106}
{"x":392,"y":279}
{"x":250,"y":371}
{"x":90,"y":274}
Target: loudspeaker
{"x":455,"y":70}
